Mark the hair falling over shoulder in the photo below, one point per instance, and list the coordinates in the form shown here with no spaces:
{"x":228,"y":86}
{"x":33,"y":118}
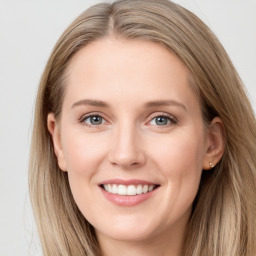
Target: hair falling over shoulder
{"x":223,"y":220}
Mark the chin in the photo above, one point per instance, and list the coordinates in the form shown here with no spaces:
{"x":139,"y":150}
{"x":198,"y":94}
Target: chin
{"x":129,"y":229}
{"x":130,"y":235}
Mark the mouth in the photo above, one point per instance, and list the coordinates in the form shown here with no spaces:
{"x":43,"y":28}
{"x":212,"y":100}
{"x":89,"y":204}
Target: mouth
{"x":128,"y":190}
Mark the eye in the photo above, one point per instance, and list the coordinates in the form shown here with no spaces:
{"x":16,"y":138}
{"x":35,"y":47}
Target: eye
{"x":162,"y":120}
{"x":93,"y":120}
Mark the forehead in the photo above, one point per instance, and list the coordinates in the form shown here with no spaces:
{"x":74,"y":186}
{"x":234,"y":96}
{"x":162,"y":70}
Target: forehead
{"x":112,"y":68}
{"x":109,"y":51}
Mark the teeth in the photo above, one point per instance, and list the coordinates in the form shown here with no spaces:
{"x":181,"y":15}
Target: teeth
{"x":109,"y":187}
{"x":150,"y":188}
{"x":130,"y":190}
{"x":139,"y":190}
{"x":121,"y":190}
{"x":145,"y":189}
{"x":114,"y":189}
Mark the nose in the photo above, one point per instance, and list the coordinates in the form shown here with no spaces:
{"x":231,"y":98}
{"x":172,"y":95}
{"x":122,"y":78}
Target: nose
{"x":127,"y":149}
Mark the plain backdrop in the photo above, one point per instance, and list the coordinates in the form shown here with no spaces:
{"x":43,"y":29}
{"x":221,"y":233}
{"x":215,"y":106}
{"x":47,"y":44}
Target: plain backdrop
{"x":28,"y":32}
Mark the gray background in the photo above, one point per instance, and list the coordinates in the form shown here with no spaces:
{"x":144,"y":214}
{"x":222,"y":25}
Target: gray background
{"x":28,"y":32}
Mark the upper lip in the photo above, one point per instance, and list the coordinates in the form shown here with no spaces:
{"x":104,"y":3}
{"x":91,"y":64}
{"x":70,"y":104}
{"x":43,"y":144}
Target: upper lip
{"x":127,"y":182}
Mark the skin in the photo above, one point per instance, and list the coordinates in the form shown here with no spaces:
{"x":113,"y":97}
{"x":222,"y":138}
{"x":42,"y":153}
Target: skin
{"x":130,"y":144}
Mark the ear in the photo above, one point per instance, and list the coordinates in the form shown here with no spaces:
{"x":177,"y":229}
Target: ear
{"x":215,"y":143}
{"x":55,"y":133}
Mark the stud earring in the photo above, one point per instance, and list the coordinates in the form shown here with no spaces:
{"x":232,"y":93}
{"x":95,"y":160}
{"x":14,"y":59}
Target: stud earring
{"x":211,"y":164}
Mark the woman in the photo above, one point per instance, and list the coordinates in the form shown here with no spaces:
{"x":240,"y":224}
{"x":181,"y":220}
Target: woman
{"x":144,"y":139}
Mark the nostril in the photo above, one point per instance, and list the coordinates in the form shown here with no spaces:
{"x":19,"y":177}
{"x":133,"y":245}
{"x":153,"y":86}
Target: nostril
{"x":127,"y":159}
{"x":126,"y":150}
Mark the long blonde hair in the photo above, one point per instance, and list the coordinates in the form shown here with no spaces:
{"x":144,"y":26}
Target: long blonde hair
{"x":223,"y":219}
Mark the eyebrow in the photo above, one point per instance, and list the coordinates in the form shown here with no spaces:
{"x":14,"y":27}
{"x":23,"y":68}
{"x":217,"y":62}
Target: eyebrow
{"x":150,"y":104}
{"x":95,"y":103}
{"x":165,"y":103}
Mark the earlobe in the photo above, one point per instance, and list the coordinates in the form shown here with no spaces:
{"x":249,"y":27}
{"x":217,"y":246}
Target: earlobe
{"x":216,"y":144}
{"x":54,"y":130}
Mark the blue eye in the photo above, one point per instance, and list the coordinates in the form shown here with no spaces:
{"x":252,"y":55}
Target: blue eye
{"x":162,"y":120}
{"x":94,"y":120}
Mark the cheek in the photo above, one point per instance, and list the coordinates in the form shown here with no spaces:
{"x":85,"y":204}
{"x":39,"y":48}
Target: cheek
{"x":180,"y":160}
{"x":83,"y":156}
{"x":83,"y":152}
{"x":180,"y":153}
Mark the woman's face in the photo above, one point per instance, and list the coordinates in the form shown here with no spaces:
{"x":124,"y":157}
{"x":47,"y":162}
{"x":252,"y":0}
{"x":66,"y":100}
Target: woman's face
{"x":131,"y":138}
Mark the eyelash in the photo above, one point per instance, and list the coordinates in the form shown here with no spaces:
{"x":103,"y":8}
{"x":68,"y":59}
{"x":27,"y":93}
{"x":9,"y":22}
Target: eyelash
{"x":171,"y":119}
{"x":83,"y":118}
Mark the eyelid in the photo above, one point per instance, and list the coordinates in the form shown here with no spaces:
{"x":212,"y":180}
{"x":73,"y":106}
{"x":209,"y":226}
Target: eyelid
{"x":172,"y":119}
{"x":85,"y":116}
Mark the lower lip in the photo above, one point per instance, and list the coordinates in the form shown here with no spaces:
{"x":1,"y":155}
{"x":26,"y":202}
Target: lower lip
{"x":128,"y":200}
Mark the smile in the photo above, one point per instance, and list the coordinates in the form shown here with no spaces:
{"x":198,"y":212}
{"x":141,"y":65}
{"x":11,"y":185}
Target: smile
{"x":128,"y":190}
